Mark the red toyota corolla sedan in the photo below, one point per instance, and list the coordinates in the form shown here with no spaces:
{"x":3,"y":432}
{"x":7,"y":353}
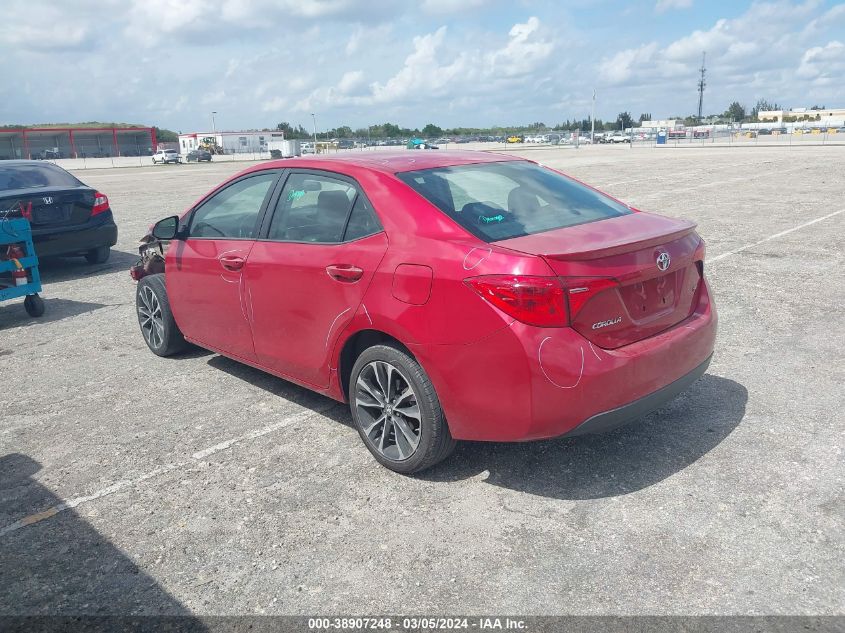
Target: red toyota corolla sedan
{"x":445,"y":295}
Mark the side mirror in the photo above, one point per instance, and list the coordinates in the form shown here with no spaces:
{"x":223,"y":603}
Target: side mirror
{"x":167,"y":229}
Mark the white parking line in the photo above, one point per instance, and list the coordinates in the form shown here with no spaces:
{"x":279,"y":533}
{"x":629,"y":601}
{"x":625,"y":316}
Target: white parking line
{"x":161,"y":470}
{"x":772,"y":237}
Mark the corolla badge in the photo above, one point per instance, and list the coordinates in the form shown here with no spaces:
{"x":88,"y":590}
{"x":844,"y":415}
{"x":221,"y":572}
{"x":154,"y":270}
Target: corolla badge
{"x":663,"y":261}
{"x":601,"y":324}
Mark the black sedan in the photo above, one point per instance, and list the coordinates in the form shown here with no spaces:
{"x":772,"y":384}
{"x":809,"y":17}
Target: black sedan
{"x":67,"y":216}
{"x":198,"y":155}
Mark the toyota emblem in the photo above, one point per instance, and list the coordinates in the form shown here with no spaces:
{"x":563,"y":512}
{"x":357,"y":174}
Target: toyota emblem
{"x":663,"y":261}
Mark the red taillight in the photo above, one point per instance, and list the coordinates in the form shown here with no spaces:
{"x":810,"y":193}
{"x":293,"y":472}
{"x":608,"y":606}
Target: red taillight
{"x":698,"y":257}
{"x":579,"y":290}
{"x":534,"y":300}
{"x":101,"y":203}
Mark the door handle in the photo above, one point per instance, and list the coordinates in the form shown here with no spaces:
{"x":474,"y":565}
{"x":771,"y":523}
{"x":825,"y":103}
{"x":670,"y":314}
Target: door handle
{"x":344,"y":272}
{"x":232,"y":262}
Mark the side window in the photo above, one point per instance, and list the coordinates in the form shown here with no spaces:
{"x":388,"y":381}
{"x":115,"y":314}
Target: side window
{"x":233,"y":212}
{"x":312,"y":208}
{"x":362,"y":221}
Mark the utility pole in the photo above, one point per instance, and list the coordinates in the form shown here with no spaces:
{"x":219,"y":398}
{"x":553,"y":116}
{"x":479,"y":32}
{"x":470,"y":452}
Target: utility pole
{"x":593,"y":119}
{"x":213,"y":125}
{"x":701,"y":84}
{"x":314,"y":118}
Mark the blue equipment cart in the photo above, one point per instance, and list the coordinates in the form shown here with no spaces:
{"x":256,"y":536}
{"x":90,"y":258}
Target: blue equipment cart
{"x":18,"y":258}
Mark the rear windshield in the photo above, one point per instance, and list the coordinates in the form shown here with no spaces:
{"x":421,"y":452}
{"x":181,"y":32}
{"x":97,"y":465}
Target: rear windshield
{"x":498,"y":201}
{"x":32,"y":175}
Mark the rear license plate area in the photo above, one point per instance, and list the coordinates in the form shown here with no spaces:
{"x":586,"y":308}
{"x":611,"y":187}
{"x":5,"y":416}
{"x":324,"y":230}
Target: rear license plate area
{"x":651,"y":296}
{"x":51,"y":214}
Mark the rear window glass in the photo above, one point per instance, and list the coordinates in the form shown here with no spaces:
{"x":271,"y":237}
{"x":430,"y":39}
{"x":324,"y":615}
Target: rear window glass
{"x":498,"y":201}
{"x":32,"y":175}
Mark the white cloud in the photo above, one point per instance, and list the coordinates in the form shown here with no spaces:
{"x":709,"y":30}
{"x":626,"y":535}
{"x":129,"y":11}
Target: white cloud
{"x":525,"y":48}
{"x":625,"y":64}
{"x":351,"y":82}
{"x":824,"y":64}
{"x":452,"y":6}
{"x":665,"y":5}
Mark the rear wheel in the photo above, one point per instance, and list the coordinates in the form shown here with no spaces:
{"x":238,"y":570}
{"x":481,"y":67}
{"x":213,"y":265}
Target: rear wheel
{"x":397,"y":412}
{"x":34,"y":305}
{"x":158,"y":326}
{"x":99,"y":255}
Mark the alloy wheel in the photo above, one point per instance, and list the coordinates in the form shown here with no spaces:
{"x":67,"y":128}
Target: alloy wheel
{"x":150,"y":317}
{"x":388,"y":410}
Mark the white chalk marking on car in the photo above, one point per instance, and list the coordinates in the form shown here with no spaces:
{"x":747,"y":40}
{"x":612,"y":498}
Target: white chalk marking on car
{"x":331,"y":327}
{"x":367,"y":313}
{"x":483,"y":257}
{"x":540,"y":359}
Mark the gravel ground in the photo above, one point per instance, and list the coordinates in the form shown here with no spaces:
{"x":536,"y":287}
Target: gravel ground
{"x":199,"y":485}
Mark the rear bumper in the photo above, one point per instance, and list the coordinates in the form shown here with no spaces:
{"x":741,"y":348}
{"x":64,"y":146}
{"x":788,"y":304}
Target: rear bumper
{"x":528,"y":383}
{"x":609,"y":420}
{"x":74,"y":240}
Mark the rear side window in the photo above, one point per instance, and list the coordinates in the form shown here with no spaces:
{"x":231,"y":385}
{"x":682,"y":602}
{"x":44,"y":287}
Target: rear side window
{"x":30,"y":176}
{"x":499,"y":201}
{"x":362,"y":221}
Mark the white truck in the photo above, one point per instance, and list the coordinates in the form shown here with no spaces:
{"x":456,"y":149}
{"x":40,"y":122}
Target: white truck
{"x":165,"y":156}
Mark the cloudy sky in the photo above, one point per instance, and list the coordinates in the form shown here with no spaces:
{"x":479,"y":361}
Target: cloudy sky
{"x":451,"y":62}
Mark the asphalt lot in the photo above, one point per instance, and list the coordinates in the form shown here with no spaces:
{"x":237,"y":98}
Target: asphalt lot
{"x":135,"y":484}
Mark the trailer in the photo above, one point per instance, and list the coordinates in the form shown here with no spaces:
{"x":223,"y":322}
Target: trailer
{"x":19,"y":275}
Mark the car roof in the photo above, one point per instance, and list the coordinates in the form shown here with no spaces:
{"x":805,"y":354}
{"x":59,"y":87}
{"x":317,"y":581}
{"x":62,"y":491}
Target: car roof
{"x":25,"y":161}
{"x":392,"y":162}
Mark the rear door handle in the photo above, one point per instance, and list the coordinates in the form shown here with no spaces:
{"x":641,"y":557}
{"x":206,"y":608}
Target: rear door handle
{"x":232,"y":262}
{"x":344,"y":272}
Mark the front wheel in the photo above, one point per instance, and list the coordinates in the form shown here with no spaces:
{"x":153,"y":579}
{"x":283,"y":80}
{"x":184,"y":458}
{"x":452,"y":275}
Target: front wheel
{"x":397,"y":412}
{"x":161,"y":334}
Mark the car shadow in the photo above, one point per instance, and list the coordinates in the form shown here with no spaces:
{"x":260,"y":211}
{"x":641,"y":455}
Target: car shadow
{"x":13,"y":313}
{"x":284,"y":389}
{"x":54,"y":563}
{"x":620,"y":462}
{"x":636,"y":456}
{"x":55,"y":269}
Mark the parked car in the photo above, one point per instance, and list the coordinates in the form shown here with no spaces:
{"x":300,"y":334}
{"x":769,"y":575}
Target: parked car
{"x":514,"y":138}
{"x":197,"y":155}
{"x":165,"y":156}
{"x":536,"y":307}
{"x":306,"y":147}
{"x":619,"y":137}
{"x":67,"y":216}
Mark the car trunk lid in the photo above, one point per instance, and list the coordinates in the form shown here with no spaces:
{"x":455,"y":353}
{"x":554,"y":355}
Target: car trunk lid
{"x":51,"y":206}
{"x":627,"y":278}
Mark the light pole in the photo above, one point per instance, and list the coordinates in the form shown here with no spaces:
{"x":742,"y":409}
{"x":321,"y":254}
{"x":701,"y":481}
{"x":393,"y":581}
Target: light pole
{"x":593,"y":119}
{"x":314,"y":118}
{"x":213,"y":124}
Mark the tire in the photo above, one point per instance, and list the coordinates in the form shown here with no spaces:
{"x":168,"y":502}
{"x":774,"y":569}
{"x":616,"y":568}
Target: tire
{"x":34,"y":305}
{"x":158,"y":327}
{"x":99,"y":255}
{"x":430,"y":431}
{"x":154,"y":161}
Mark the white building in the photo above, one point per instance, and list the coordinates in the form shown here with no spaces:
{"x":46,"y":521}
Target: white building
{"x":231,"y":142}
{"x":663,"y":124}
